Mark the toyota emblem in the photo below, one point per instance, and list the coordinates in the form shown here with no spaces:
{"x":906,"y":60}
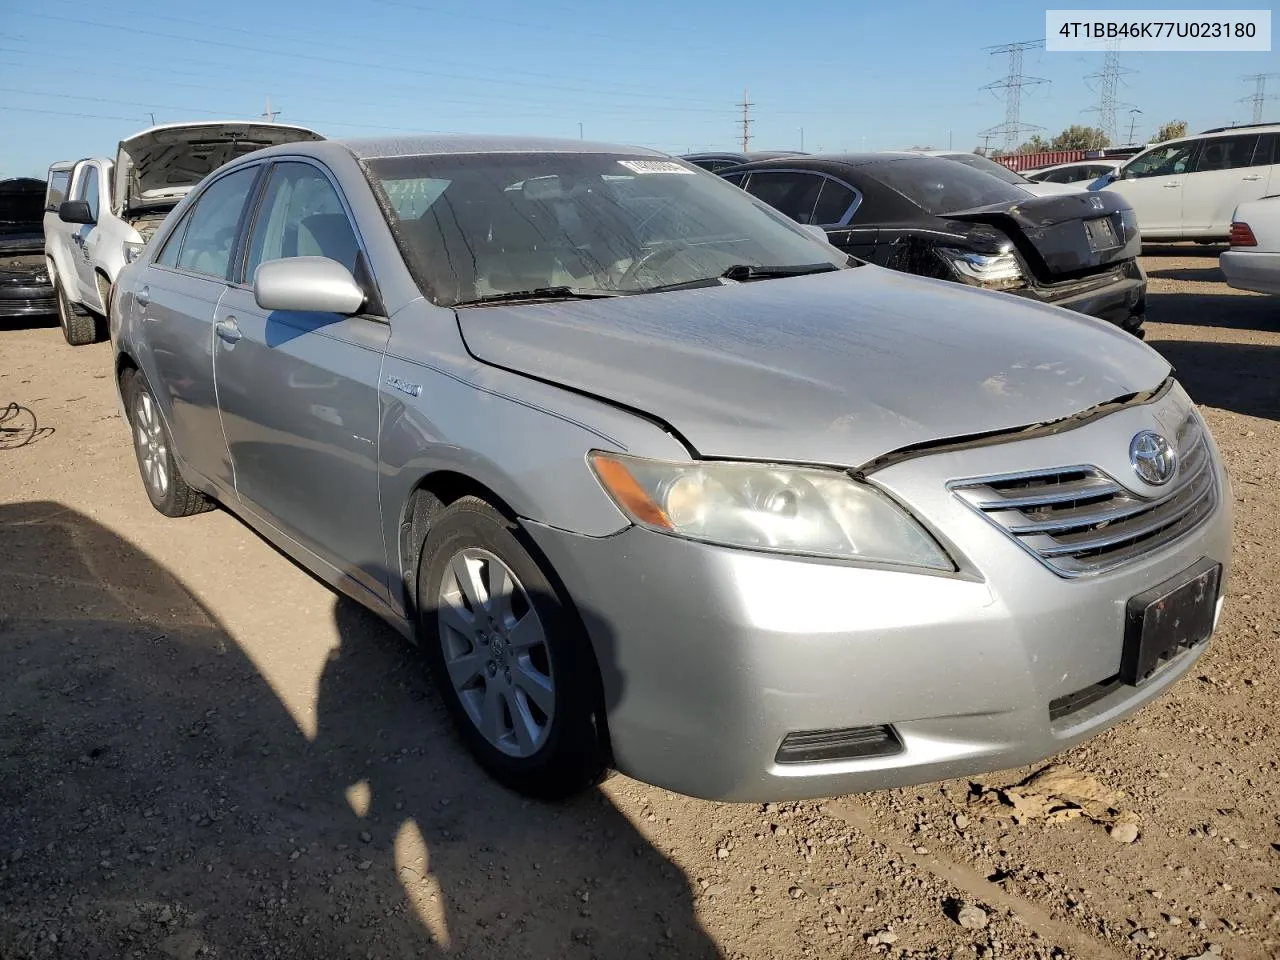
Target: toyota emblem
{"x":1153,"y":457}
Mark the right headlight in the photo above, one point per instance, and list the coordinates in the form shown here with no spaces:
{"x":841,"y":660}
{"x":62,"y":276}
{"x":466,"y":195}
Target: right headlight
{"x":781,"y":509}
{"x":995,"y":271}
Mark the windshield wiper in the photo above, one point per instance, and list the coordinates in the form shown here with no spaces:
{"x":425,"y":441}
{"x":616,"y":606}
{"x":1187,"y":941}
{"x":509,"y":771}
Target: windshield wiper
{"x":539,"y":293}
{"x":743,"y":272}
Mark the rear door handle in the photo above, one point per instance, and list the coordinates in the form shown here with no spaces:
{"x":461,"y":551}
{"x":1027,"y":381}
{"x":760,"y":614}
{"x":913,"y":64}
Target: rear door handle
{"x":1252,"y":178}
{"x":228,"y":330}
{"x":143,"y":296}
{"x":1173,"y":186}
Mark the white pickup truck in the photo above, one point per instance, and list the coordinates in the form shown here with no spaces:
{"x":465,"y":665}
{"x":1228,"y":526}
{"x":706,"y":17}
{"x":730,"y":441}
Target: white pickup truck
{"x":100,"y":213}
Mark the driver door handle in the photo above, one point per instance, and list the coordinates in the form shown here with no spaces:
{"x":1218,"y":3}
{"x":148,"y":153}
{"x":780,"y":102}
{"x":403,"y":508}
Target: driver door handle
{"x":228,"y":330}
{"x":1251,"y":178}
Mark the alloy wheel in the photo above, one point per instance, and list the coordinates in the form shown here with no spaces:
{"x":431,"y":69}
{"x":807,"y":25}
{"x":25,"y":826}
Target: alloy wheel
{"x":148,"y":436}
{"x":495,"y":651}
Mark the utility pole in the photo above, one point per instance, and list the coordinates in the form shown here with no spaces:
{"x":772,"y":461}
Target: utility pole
{"x":579,"y":129}
{"x":1013,"y":128}
{"x":268,"y":114}
{"x":1108,"y":82}
{"x":802,"y":139}
{"x":746,"y":106}
{"x":1132,"y":122}
{"x":153,"y":118}
{"x":1259,"y":93}
{"x":950,"y":141}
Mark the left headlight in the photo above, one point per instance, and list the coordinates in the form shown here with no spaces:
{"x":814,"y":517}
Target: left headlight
{"x":995,"y":271}
{"x":132,"y":250}
{"x":781,"y":509}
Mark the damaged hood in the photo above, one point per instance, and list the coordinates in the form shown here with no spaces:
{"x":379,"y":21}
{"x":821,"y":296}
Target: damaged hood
{"x":837,"y":368}
{"x":21,"y":214}
{"x":157,"y":167}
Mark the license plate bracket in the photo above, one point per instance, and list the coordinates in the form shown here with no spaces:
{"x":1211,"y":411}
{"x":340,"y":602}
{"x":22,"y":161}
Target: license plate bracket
{"x":1101,"y":233}
{"x":1175,"y":615}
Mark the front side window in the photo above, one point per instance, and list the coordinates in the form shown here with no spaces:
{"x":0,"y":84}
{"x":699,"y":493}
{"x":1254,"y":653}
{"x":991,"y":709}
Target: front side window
{"x":1161,"y":162}
{"x":301,"y":216}
{"x":791,"y":192}
{"x":1226,"y":153}
{"x":58,"y":183}
{"x":940,"y":186}
{"x":87,"y":190}
{"x":212,"y":224}
{"x":600,"y":223}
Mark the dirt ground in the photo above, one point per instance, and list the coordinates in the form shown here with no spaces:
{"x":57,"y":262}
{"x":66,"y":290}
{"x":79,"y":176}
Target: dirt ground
{"x":206,"y":753}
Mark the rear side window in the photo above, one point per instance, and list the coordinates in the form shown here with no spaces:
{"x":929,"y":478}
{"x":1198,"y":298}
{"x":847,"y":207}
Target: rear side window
{"x":940,"y":186}
{"x":210,"y":232}
{"x":59,"y":181}
{"x":1226,"y":153}
{"x":792,"y":193}
{"x":834,"y":202}
{"x":1265,"y":153}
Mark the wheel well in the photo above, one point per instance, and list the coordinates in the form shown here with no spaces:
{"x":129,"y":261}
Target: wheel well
{"x":433,"y":493}
{"x":124,"y":363}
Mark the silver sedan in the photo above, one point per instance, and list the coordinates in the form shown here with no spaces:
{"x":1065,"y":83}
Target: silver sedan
{"x":659,"y":480}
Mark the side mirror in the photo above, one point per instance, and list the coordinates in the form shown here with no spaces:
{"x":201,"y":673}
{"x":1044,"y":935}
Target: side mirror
{"x":75,"y":211}
{"x":307,"y":284}
{"x":815,"y":231}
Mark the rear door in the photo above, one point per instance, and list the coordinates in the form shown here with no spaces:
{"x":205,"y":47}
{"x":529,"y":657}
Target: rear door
{"x":1153,"y":182}
{"x":177,"y":299}
{"x":298,"y":391}
{"x":1228,"y":171}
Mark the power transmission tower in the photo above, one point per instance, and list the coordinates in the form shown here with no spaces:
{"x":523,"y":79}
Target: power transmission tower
{"x":1013,"y":128}
{"x":1108,"y":82}
{"x":746,"y":106}
{"x":268,"y":114}
{"x":1259,"y":93}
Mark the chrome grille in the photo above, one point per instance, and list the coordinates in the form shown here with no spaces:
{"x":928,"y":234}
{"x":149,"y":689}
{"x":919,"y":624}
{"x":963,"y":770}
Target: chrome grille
{"x":1079,"y":521}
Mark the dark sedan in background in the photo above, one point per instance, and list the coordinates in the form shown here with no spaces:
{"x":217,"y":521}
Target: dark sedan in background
{"x":722,"y":160}
{"x":25,"y":290}
{"x":937,"y":218}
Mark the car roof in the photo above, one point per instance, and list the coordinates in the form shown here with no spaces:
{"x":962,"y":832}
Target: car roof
{"x":370,"y":148}
{"x":1238,"y":126}
{"x":832,"y":159}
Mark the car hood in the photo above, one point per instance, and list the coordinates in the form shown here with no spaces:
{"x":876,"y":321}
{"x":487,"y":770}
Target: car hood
{"x":837,"y":368}
{"x":21,"y":211}
{"x":157,"y":167}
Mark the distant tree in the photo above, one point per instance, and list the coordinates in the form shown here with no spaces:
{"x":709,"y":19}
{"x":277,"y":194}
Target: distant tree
{"x":1037,"y":144}
{"x":1170,"y":131}
{"x":1076,"y":137}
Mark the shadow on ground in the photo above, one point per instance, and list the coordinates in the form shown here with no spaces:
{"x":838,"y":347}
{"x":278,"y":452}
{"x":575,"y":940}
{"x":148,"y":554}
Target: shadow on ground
{"x":1209,"y":273}
{"x":158,"y":800}
{"x":1206,"y":250}
{"x":1227,"y":311}
{"x":1229,"y":376}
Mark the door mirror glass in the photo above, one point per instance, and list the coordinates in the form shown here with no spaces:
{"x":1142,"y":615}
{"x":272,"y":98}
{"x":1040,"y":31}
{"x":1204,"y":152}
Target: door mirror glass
{"x":307,"y":284}
{"x":75,"y":211}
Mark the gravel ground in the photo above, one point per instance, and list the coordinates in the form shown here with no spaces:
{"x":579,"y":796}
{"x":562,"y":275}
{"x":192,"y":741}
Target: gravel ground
{"x":206,"y":753}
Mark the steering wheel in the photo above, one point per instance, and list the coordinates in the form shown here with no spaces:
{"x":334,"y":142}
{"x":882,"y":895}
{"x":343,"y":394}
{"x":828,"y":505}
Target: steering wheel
{"x":659,"y":254}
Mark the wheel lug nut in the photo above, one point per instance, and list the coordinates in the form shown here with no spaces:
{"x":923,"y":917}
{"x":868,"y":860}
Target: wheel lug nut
{"x":491,"y":668}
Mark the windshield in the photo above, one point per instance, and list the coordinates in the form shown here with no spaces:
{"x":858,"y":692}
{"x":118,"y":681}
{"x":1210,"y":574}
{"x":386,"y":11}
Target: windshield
{"x":939,"y":186}
{"x":477,"y":226}
{"x":998,"y":170}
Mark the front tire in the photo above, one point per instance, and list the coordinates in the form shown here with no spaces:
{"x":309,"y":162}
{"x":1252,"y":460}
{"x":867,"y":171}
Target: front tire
{"x":510,"y":658}
{"x":79,"y":327}
{"x":166,"y":488}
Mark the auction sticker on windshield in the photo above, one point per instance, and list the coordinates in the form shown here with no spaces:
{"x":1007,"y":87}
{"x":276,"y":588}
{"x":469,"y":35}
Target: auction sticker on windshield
{"x":655,"y":166}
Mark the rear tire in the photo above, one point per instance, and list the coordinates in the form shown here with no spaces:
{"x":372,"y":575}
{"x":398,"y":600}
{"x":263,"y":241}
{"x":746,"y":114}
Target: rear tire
{"x":79,"y":327}
{"x":514,"y":666}
{"x":166,"y":488}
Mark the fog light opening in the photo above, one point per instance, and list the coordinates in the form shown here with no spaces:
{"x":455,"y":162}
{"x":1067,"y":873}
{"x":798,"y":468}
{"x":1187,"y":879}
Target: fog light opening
{"x":846,"y":743}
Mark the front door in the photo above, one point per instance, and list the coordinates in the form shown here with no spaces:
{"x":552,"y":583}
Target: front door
{"x":88,"y":187}
{"x":1152,"y":182}
{"x":298,"y":392}
{"x":178,"y":299}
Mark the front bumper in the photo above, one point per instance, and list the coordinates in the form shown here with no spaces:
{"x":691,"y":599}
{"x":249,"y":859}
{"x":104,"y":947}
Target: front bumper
{"x":711,"y":656}
{"x":1251,"y":270}
{"x":27,"y":300}
{"x":1120,"y":299}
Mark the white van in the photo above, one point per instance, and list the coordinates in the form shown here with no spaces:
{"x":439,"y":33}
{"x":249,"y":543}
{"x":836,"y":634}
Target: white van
{"x":1187,"y":189}
{"x":100,"y":213}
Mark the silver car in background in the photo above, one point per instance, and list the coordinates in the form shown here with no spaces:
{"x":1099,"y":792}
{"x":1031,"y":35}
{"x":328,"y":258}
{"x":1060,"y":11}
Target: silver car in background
{"x":659,"y":481}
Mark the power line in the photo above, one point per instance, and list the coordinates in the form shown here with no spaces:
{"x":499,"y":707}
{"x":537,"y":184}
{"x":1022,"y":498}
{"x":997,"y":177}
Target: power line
{"x":1259,"y":97}
{"x":1108,"y":82}
{"x":1013,"y":128}
{"x":746,"y":106}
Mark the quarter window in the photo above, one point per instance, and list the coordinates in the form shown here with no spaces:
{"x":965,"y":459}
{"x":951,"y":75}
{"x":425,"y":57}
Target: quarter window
{"x":1226,"y":153}
{"x":58,"y":183}
{"x":792,"y":193}
{"x":302,"y":216}
{"x":1264,"y":153}
{"x":211,"y":226}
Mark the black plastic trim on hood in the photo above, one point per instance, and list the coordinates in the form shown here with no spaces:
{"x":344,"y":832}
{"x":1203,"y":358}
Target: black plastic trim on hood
{"x":1030,"y":432}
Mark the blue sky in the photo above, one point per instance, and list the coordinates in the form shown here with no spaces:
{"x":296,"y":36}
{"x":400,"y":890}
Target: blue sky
{"x":76,"y":76}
